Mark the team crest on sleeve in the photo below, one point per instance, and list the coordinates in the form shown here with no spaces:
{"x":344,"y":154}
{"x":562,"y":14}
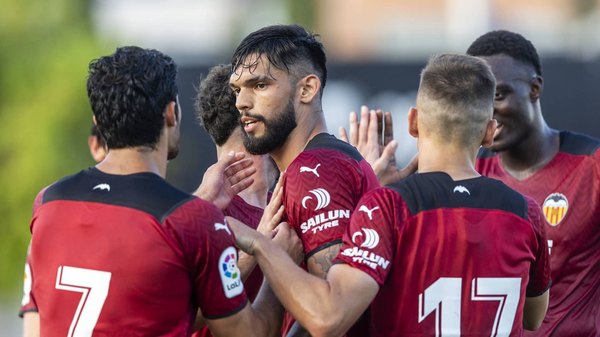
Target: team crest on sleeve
{"x":231,"y":277}
{"x":555,"y":208}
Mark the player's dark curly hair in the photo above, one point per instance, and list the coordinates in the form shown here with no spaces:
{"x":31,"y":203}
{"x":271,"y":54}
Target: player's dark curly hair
{"x":286,"y":47}
{"x":129,"y":91}
{"x":508,"y":43}
{"x":215,"y":104}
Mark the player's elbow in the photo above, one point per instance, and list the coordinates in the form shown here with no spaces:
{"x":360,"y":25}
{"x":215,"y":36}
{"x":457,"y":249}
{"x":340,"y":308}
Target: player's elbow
{"x":534,"y":311}
{"x":325,"y":326}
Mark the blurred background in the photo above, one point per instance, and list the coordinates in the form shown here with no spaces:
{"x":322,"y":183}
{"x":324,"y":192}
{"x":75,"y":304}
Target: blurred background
{"x":376,"y":49}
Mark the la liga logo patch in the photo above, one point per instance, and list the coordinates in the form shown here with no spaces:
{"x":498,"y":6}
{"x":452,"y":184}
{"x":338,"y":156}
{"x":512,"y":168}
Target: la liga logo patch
{"x":555,"y":208}
{"x":230,"y":273}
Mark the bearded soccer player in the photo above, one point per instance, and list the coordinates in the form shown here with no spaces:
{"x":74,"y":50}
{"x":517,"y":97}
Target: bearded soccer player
{"x":279,"y":73}
{"x":115,"y":249}
{"x":215,"y":108}
{"x":559,"y":169}
{"x":443,"y":252}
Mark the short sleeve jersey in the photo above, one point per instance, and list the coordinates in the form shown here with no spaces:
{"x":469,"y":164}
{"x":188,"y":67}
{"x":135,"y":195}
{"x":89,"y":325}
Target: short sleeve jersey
{"x":129,"y":255}
{"x":568,"y":189}
{"x":321,"y":187}
{"x":451,"y":257}
{"x":249,"y":215}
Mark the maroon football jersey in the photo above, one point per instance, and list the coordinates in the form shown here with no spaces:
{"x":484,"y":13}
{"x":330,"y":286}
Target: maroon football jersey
{"x":249,"y":215}
{"x":452,"y":258}
{"x":321,"y":188}
{"x":129,"y":255}
{"x":568,"y":189}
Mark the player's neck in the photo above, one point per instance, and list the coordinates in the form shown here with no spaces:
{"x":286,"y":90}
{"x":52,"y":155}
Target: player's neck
{"x":134,"y":160}
{"x":309,"y":125}
{"x":533,"y":153}
{"x":457,"y":162}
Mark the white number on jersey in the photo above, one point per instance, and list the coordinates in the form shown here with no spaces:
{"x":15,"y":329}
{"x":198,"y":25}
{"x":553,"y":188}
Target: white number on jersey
{"x":93,"y":286}
{"x":443,"y":298}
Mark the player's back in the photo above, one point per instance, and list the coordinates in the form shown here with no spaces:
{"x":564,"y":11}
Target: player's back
{"x":462,"y":255}
{"x":118,"y":254}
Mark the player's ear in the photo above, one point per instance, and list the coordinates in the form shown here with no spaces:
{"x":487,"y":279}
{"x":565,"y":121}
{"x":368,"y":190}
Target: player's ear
{"x":490,"y":130}
{"x":309,"y":88}
{"x":536,"y":86}
{"x":171,"y":114}
{"x":413,"y":127}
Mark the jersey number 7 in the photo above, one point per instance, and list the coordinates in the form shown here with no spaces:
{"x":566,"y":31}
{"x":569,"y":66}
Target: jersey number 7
{"x":93,"y":286}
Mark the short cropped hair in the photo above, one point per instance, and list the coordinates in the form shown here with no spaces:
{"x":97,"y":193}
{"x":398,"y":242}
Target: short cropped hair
{"x":286,"y":47}
{"x":215,"y":104}
{"x":128,"y":92}
{"x":508,"y":43}
{"x":456,"y":96}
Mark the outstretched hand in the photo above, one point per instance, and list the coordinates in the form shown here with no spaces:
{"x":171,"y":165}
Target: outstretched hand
{"x":273,"y":213}
{"x":247,"y":239}
{"x":230,"y":175}
{"x":374,"y":139}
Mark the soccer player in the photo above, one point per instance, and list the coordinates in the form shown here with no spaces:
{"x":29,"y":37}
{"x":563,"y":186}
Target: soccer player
{"x":215,"y":108}
{"x":28,"y":311}
{"x":117,"y":250}
{"x":444,"y":252}
{"x":279,"y":73}
{"x":559,"y":169}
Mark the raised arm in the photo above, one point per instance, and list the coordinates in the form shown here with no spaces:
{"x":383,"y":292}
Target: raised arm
{"x":230,"y":175}
{"x":374,"y":139}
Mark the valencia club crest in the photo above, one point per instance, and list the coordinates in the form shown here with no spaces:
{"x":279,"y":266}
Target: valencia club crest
{"x":556,"y":206}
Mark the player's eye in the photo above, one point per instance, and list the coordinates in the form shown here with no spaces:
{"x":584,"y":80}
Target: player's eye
{"x":500,"y":95}
{"x":261,"y":85}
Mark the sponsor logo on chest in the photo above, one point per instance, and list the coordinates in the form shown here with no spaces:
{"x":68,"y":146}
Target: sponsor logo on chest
{"x":555,"y":208}
{"x":325,"y":220}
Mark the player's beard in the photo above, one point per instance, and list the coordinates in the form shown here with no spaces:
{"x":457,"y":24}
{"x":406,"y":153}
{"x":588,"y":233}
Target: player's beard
{"x":276,"y":131}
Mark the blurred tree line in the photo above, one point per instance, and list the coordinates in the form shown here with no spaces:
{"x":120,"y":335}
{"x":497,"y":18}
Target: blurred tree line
{"x":45,"y":48}
{"x":45,"y":118}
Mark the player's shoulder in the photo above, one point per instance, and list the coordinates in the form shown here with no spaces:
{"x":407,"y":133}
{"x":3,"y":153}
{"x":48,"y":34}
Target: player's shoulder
{"x":422,"y":192}
{"x":326,"y":142}
{"x":578,"y":144}
{"x":143,"y":191}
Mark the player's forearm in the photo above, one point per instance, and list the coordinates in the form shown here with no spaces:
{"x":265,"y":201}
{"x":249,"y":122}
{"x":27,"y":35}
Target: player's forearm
{"x":246,"y":263}
{"x":306,"y":297}
{"x":535,"y":310}
{"x":31,"y":324}
{"x":269,"y":311}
